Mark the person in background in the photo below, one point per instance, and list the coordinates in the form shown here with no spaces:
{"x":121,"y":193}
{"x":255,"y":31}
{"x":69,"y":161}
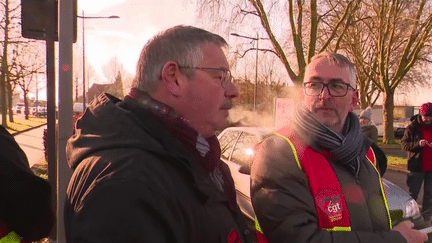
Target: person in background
{"x":368,"y":128}
{"x":370,"y":131}
{"x":148,"y":168}
{"x":315,"y":180}
{"x":417,"y":141}
{"x":26,"y":212}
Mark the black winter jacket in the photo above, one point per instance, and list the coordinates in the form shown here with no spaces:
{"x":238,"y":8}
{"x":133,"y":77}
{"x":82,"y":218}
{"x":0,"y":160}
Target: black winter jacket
{"x":134,"y":182}
{"x":25,"y":199}
{"x":410,"y":143}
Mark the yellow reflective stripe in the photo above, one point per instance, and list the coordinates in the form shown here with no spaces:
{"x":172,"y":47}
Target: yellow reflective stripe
{"x":292,"y":148}
{"x":12,"y":237}
{"x":339,"y":229}
{"x":258,"y":226}
{"x":381,"y":187}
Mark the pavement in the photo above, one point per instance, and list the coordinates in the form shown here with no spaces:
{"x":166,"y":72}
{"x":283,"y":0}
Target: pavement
{"x":31,"y":142}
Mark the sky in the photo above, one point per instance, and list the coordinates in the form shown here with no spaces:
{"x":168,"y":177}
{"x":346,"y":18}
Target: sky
{"x":125,"y":37}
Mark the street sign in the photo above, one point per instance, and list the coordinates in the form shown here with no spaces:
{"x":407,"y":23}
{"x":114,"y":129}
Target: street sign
{"x":38,"y":15}
{"x":283,"y":108}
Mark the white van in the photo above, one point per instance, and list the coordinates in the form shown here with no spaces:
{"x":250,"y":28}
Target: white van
{"x":78,"y":107}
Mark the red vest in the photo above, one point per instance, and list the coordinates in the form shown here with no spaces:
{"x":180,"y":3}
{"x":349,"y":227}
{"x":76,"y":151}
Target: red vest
{"x":330,"y":203}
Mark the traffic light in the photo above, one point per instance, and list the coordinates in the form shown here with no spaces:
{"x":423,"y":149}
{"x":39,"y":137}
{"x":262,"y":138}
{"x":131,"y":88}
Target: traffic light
{"x":38,"y":15}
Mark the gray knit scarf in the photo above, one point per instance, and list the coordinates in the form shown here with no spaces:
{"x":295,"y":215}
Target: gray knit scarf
{"x":346,"y":148}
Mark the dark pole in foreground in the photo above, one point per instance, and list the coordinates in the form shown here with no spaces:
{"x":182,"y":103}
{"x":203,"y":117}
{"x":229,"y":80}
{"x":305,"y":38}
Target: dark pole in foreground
{"x":51,"y":107}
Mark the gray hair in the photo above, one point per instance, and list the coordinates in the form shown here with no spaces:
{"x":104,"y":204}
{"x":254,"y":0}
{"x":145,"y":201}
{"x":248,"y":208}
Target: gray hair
{"x":180,"y":44}
{"x":335,"y":58}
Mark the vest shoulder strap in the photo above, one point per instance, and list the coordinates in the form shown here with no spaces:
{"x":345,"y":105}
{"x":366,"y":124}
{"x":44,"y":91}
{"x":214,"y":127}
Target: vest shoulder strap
{"x":329,"y":200}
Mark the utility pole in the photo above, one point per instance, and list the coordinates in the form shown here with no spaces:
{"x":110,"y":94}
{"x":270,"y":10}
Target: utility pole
{"x":83,"y":17}
{"x":257,"y":38}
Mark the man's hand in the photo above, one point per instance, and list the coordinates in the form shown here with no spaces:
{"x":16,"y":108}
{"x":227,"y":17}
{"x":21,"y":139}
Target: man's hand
{"x":411,"y":235}
{"x":424,"y":142}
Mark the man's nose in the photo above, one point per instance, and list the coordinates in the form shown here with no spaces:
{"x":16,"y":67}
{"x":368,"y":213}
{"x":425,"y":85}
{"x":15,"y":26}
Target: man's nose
{"x":231,"y":91}
{"x":325,"y":93}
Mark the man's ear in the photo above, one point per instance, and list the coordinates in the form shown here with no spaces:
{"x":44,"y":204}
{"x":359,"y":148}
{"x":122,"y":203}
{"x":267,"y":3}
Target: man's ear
{"x":170,"y":78}
{"x":354,"y":101}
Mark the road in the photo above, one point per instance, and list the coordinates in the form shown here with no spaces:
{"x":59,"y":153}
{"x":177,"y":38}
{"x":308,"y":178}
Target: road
{"x":32,"y":144}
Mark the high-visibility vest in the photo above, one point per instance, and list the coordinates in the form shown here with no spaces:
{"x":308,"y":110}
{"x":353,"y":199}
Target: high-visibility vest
{"x":329,"y":200}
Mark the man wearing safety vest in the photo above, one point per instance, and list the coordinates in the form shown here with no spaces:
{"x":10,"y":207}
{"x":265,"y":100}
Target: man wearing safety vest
{"x":316,"y":180}
{"x":26,"y":214}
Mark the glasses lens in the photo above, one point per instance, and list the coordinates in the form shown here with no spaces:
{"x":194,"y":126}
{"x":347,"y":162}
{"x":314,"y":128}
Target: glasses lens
{"x":313,"y":88}
{"x":226,"y":78}
{"x":337,"y":89}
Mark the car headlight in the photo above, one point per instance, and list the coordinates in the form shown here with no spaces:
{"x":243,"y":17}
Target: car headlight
{"x":411,"y":209}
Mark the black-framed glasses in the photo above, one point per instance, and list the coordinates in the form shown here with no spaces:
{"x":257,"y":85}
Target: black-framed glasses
{"x":225,"y":75}
{"x":336,"y":89}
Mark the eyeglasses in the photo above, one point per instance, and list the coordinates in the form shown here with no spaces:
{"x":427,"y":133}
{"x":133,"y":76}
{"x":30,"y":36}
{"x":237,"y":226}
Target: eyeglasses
{"x":336,"y":89}
{"x":225,"y":75}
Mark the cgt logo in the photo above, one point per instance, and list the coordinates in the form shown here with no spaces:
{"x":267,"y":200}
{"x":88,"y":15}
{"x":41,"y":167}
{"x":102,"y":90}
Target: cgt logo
{"x":333,"y":207}
{"x":329,"y":201}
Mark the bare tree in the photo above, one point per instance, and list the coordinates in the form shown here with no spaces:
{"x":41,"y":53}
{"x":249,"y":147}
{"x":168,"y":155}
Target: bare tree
{"x":361,"y":42}
{"x":116,"y":88}
{"x":90,"y":74}
{"x":28,"y":63}
{"x":15,"y":59}
{"x":9,"y":24}
{"x":308,"y":28}
{"x":398,"y":43}
{"x":112,"y":69}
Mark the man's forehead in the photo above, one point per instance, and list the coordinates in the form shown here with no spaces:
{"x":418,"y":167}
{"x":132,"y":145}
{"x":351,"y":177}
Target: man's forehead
{"x":214,"y":55}
{"x":325,"y":70}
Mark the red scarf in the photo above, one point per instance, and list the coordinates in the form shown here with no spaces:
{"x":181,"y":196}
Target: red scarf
{"x":207,"y":151}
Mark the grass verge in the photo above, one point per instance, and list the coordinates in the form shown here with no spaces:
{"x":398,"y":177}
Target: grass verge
{"x":397,"y":162}
{"x":394,"y":161}
{"x":20,"y":123}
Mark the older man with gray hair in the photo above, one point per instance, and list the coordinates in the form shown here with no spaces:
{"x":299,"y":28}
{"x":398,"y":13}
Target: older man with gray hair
{"x":147,"y":168}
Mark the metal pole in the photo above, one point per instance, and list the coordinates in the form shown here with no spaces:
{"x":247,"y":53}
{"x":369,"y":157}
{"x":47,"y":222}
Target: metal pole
{"x":51,"y":109}
{"x":83,"y":61}
{"x":65,"y":108}
{"x":256,"y":75}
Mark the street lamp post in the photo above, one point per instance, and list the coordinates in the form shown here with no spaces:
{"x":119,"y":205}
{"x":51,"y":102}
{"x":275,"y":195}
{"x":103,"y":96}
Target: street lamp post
{"x":257,"y":38}
{"x":83,"y":17}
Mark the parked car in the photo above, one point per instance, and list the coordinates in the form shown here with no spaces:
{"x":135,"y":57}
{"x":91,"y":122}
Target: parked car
{"x":19,"y":108}
{"x":41,"y":111}
{"x":33,"y":110}
{"x":398,"y":128}
{"x":237,"y":145}
{"x":400,"y":125}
